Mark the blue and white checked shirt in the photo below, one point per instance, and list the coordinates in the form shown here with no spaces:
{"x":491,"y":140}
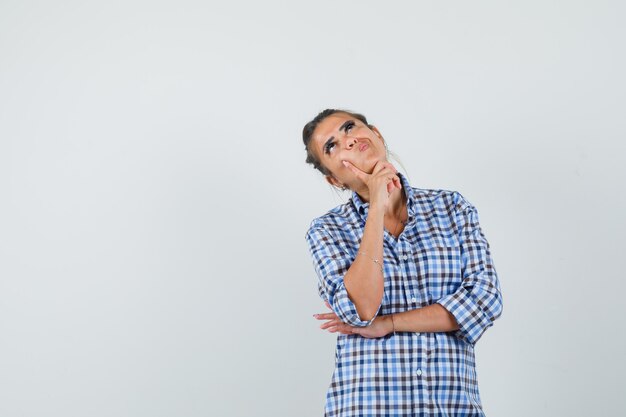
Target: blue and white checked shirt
{"x":442,"y":257}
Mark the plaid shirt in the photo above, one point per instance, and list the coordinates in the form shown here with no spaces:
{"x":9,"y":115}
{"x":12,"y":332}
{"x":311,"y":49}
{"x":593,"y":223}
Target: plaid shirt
{"x":441,"y":257}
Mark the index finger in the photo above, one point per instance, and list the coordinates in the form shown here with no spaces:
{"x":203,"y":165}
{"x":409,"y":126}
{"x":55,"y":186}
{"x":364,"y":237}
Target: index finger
{"x":363,"y":176}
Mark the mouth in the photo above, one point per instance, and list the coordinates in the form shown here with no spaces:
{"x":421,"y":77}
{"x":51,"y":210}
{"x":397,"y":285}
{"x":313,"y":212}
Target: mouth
{"x":363,"y":147}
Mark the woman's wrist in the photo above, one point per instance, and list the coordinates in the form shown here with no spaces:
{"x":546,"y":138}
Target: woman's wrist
{"x":376,"y":211}
{"x":390,"y":325}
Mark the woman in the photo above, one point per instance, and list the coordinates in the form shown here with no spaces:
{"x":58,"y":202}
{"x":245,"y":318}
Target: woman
{"x":408,"y":276}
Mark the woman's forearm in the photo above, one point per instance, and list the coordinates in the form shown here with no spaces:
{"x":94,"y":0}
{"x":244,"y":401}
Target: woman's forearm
{"x":432,"y":318}
{"x":364,"y":280}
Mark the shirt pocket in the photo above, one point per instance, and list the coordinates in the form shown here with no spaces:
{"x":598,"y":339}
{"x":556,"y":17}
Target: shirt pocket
{"x":439,"y":264}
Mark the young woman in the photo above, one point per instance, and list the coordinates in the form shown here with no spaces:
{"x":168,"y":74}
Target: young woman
{"x":408,"y":276}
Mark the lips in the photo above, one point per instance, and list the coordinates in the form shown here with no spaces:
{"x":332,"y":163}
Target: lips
{"x":363,"y":147}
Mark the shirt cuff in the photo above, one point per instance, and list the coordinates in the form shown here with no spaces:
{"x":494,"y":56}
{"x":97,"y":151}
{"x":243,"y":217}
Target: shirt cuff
{"x":469,"y":316}
{"x":345,"y":309}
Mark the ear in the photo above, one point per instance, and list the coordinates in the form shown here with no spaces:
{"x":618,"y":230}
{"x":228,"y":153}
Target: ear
{"x":333,"y":181}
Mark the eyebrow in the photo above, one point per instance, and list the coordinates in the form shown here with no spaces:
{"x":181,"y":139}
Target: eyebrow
{"x":341,"y":128}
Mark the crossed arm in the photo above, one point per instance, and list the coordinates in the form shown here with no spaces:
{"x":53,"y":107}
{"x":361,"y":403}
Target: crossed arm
{"x":432,"y":318}
{"x":468,"y":311}
{"x":363,"y":284}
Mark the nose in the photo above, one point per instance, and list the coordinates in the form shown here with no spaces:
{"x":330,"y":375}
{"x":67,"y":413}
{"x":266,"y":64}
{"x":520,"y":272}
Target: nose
{"x":350,"y":142}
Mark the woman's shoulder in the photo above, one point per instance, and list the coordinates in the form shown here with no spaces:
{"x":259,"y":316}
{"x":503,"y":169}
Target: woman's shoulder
{"x":336,"y":219}
{"x":439,"y":198}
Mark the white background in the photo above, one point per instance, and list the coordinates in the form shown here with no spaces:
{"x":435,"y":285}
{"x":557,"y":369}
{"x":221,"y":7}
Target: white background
{"x":154,"y":196}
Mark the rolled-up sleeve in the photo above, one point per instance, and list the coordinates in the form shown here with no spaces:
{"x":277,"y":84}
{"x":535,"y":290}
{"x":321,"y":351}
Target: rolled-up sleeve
{"x":477,"y":303}
{"x":331,"y":261}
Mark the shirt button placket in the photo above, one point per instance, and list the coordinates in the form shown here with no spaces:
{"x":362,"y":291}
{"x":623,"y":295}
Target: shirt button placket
{"x":421,"y":394}
{"x":425,"y":391}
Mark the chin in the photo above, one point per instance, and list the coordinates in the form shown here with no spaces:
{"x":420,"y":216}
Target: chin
{"x":368,"y":166}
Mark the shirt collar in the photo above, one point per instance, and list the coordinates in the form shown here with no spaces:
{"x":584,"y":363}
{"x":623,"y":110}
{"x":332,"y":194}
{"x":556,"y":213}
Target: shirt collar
{"x":362,"y":206}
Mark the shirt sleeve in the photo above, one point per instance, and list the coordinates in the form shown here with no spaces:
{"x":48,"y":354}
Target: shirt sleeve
{"x":478,"y":301}
{"x":331,"y":261}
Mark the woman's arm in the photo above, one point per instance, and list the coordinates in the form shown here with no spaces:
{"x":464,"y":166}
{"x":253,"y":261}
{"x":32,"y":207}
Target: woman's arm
{"x":432,"y":318}
{"x":477,"y":303}
{"x":469,"y":310}
{"x":364,"y":280}
{"x":355,"y":286}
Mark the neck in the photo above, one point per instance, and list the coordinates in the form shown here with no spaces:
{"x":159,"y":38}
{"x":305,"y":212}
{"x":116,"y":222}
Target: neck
{"x":396,"y":201}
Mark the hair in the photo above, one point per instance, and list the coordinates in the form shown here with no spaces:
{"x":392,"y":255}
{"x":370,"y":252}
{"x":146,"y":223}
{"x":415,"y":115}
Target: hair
{"x":309,"y":128}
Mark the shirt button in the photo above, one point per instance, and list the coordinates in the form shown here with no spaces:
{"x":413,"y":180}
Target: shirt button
{"x":405,"y":257}
{"x":419,"y":372}
{"x":418,"y":333}
{"x":414,"y":300}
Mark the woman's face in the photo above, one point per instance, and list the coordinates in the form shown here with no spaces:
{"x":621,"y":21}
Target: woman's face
{"x":342,"y":137}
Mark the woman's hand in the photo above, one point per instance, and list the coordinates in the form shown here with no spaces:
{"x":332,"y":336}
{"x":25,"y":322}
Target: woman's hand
{"x":380,"y":183}
{"x":381,"y":326}
{"x":334,"y":324}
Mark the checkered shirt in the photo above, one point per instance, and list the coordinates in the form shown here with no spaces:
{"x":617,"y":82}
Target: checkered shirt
{"x":442,"y":257}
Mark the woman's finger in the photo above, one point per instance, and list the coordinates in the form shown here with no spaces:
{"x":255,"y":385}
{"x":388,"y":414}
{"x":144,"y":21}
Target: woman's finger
{"x":363,"y":176}
{"x":385,"y":171}
{"x":344,"y":329}
{"x":390,"y":186}
{"x":392,"y":179}
{"x":378,"y":166}
{"x":325,"y":316}
{"x":389,"y":165}
{"x":341,"y":328}
{"x":326,"y":325}
{"x":383,"y":177}
{"x":332,"y":323}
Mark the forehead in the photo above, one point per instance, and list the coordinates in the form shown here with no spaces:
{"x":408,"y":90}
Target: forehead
{"x":329,"y":127}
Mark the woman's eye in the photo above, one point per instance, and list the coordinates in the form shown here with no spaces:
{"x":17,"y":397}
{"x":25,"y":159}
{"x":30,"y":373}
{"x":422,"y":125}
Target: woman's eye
{"x":329,"y":147}
{"x":349,"y":127}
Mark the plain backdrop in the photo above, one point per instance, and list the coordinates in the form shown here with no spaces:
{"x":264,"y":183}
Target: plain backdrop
{"x":154,"y":196}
